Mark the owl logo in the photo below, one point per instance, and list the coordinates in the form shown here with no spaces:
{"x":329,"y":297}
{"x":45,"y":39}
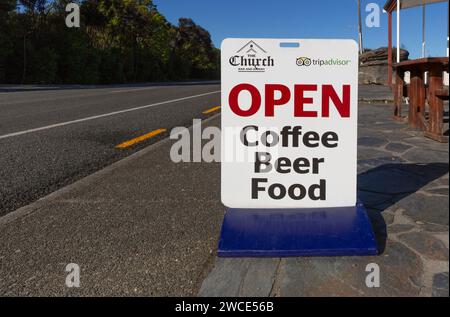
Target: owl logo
{"x":303,"y":61}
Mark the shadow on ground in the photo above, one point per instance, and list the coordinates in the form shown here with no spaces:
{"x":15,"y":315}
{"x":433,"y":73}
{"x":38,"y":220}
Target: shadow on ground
{"x":385,"y":185}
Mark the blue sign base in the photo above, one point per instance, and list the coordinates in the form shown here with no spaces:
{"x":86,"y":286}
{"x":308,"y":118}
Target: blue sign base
{"x":342,"y":231}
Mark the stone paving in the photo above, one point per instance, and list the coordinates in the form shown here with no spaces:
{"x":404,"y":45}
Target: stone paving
{"x":403,"y":181}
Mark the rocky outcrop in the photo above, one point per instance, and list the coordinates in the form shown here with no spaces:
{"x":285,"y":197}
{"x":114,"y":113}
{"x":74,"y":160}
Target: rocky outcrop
{"x":373,"y":65}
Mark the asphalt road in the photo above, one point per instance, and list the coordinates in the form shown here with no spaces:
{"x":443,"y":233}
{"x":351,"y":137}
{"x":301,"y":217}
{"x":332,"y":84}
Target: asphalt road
{"x":51,"y":138}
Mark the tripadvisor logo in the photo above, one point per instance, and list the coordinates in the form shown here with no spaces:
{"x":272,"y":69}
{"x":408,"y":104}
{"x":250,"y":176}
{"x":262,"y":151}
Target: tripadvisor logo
{"x":306,"y":61}
{"x":251,"y":58}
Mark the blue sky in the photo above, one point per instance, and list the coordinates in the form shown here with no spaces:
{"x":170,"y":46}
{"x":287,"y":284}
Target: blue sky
{"x":309,"y":19}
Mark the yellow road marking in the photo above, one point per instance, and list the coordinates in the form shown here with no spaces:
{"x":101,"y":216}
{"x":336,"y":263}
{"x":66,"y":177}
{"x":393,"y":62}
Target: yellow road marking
{"x":140,"y":138}
{"x":211,"y":110}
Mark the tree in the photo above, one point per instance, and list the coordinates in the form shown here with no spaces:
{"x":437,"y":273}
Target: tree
{"x":6,"y":8}
{"x":195,"y":55}
{"x":118,"y":41}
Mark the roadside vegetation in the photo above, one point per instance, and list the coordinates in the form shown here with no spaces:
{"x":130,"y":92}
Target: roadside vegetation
{"x":118,"y":41}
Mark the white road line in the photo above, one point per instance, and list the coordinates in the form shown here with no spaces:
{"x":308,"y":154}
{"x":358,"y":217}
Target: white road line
{"x":103,"y":115}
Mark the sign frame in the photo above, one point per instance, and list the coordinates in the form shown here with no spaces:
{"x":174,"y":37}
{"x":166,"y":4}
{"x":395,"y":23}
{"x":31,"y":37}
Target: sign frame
{"x":310,"y":226}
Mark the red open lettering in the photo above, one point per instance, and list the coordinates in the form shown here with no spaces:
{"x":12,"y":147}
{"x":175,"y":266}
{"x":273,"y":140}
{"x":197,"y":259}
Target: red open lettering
{"x":343,"y":107}
{"x":233,"y":100}
{"x":328,"y":92}
{"x":300,"y":100}
{"x":270,"y":100}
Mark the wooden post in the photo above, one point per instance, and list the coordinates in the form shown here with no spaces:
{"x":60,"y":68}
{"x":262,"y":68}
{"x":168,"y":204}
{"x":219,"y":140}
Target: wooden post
{"x":416,"y":99}
{"x":360,"y":39}
{"x":398,"y":94}
{"x":390,"y":48}
{"x":435,"y":129}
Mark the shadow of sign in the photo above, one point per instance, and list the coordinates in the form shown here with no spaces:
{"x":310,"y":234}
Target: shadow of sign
{"x":383,"y":186}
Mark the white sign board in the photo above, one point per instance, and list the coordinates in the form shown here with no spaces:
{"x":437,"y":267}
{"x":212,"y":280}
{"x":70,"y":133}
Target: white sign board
{"x":289,"y":123}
